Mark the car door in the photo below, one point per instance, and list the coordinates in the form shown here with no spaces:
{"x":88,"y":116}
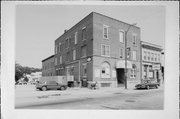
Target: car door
{"x":52,"y":85}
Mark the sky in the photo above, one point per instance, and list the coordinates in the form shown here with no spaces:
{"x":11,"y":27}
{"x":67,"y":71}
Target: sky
{"x":38,"y":26}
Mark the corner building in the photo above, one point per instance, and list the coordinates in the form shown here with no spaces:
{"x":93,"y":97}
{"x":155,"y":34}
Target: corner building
{"x":94,"y":50}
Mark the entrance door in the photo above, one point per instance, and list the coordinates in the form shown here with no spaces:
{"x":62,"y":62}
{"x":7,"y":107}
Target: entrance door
{"x":120,"y":77}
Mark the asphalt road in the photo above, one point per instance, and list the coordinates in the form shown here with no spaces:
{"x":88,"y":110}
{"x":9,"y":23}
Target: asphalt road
{"x":138,"y":100}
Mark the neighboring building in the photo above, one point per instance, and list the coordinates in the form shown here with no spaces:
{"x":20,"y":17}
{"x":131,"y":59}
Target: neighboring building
{"x":48,"y":66}
{"x":151,"y":61}
{"x":94,"y":50}
{"x":36,"y":76}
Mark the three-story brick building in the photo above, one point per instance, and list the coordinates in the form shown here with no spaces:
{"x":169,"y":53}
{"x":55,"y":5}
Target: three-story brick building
{"x":94,"y":50}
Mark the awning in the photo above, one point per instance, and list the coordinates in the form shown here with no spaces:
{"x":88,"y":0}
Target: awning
{"x":121,"y":64}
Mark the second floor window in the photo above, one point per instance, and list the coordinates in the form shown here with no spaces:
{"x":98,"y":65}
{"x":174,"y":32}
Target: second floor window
{"x":83,"y":51}
{"x":145,"y":53}
{"x":133,"y":55}
{"x":134,"y":39}
{"x":55,"y":49}
{"x":121,"y":36}
{"x":59,"y":47}
{"x":74,"y":54}
{"x":60,"y":59}
{"x":105,"y":32}
{"x":67,"y":43}
{"x":75,"y":37}
{"x":84,"y":33}
{"x":105,"y":50}
{"x":120,"y":52}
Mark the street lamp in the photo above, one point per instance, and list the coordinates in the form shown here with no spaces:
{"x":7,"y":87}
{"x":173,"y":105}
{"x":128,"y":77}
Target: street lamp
{"x":125,"y":70}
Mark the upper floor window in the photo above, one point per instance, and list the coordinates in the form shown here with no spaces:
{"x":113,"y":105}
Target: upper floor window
{"x":134,"y":39}
{"x":75,"y":37}
{"x":158,"y":57}
{"x":105,"y":50}
{"x":55,"y":61}
{"x":60,"y":59}
{"x":155,"y":57}
{"x":148,"y":55}
{"x":133,"y":55}
{"x":67,"y":43}
{"x":74,"y":54}
{"x":145,"y":54}
{"x":121,"y":36}
{"x":55,"y":49}
{"x":59,"y":47}
{"x":121,"y":52}
{"x":83,"y":51}
{"x":84,"y":33}
{"x":105,"y":32}
{"x":68,"y":56}
{"x":152,"y":56}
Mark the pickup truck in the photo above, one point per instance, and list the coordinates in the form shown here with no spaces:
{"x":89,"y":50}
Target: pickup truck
{"x":48,"y":85}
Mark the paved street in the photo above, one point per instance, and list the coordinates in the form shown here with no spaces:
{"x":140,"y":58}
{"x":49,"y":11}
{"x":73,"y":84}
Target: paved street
{"x":82,"y":98}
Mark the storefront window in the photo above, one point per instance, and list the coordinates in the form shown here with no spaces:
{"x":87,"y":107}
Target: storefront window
{"x":105,"y":72}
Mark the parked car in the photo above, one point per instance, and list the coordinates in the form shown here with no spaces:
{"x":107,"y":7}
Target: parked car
{"x":147,"y":84}
{"x":48,"y":85}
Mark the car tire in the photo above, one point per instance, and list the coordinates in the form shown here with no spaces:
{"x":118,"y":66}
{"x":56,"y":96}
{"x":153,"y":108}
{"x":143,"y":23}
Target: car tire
{"x":147,"y":87}
{"x":62,"y":88}
{"x":44,"y":88}
{"x":157,"y":86}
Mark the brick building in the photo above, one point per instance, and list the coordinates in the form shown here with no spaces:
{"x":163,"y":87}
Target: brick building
{"x":151,"y":61}
{"x":48,"y":66}
{"x":94,"y":50}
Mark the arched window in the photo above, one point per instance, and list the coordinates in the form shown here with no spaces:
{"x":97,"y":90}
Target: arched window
{"x":105,"y":71}
{"x":133,"y":71}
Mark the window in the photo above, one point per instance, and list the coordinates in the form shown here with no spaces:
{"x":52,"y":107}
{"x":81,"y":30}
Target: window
{"x":59,"y":47}
{"x":75,"y":37}
{"x":74,"y":54}
{"x":60,"y":59}
{"x":83,"y":51}
{"x":105,"y":50}
{"x":105,"y":32}
{"x":120,"y":52}
{"x":121,"y":36}
{"x":158,"y":57}
{"x":128,"y":50}
{"x":155,"y":57}
{"x":68,"y":56}
{"x":55,"y":49}
{"x":133,"y":71}
{"x":145,"y":54}
{"x":105,"y":71}
{"x":152,"y":56}
{"x":133,"y":55}
{"x":55,"y":61}
{"x":134,"y":39}
{"x":84,"y":67}
{"x":84,"y":33}
{"x":148,"y":55}
{"x":67,"y":43}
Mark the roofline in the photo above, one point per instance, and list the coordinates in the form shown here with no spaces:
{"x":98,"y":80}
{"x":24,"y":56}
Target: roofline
{"x":88,"y":16}
{"x":48,"y":58}
{"x":147,"y":43}
{"x":116,"y":19}
{"x":74,"y":25}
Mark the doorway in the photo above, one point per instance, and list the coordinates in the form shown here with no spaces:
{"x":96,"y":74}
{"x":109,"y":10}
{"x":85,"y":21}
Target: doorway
{"x":120,"y":77}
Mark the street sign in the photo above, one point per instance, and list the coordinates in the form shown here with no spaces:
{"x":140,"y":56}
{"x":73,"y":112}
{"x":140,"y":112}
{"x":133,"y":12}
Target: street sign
{"x":156,"y":67}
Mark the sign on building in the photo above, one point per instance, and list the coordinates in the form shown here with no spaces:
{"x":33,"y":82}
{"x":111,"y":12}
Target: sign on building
{"x":156,"y":67}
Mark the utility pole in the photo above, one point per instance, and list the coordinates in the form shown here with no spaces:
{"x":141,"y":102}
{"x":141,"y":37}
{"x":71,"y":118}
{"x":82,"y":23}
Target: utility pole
{"x":125,"y":70}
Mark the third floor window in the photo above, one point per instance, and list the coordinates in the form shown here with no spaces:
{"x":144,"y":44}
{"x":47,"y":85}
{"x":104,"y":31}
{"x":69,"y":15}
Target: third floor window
{"x":84,"y":33}
{"x":105,"y":32}
{"x":121,"y":36}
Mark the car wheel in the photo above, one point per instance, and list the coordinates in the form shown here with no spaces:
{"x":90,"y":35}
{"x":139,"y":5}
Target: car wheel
{"x":147,"y":87}
{"x":44,"y":89}
{"x":62,"y":88}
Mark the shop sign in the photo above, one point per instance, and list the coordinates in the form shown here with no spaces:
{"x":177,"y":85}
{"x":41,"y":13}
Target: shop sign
{"x":156,"y":67}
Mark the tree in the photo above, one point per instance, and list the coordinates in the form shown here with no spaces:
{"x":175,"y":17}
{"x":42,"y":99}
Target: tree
{"x":19,"y":71}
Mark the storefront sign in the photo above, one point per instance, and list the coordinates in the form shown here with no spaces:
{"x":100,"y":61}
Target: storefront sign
{"x":156,"y":67}
{"x":121,"y":64}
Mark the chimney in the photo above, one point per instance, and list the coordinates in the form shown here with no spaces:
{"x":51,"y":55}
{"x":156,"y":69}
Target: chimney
{"x":65,"y":30}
